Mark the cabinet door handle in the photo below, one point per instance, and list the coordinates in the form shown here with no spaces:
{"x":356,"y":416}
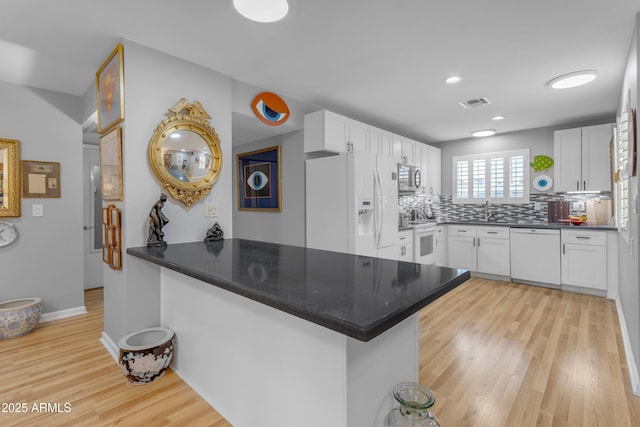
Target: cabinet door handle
{"x":563,"y":249}
{"x":577,"y":185}
{"x":462,"y":231}
{"x":474,"y":242}
{"x":478,"y":242}
{"x":583,"y":237}
{"x":492,"y":232}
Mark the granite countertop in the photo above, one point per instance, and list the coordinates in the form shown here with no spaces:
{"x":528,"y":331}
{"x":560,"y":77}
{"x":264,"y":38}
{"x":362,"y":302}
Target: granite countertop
{"x":358,"y":296}
{"x":526,"y":224}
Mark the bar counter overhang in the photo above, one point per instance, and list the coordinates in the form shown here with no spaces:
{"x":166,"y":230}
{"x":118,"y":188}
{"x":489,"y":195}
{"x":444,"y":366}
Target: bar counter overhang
{"x":236,"y":307}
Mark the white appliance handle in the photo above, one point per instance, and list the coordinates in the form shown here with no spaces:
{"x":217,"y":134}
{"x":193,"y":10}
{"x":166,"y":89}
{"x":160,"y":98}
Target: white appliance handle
{"x":378,"y":199}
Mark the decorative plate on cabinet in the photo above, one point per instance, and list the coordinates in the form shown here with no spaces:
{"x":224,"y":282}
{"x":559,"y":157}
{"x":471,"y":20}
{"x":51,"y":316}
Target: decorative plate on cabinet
{"x":542,"y":182}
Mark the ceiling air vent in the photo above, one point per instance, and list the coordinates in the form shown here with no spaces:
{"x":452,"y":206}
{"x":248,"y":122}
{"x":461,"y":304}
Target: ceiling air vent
{"x":476,"y":102}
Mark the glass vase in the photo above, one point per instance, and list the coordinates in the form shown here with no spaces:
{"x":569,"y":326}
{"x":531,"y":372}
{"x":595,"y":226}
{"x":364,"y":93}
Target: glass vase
{"x":411,"y":409}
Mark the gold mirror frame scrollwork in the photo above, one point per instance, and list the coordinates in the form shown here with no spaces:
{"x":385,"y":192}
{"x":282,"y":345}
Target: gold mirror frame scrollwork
{"x":193,"y":118}
{"x":10,"y":152}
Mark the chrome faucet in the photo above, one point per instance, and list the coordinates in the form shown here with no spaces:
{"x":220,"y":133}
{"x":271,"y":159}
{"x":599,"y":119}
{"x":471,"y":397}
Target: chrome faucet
{"x":488,"y":214}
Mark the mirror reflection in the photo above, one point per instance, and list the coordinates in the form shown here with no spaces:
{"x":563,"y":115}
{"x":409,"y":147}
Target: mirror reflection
{"x":186,"y":156}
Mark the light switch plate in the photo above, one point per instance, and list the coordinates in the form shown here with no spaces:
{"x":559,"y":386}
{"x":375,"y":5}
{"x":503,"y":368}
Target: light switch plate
{"x":37,"y":210}
{"x":210,"y":210}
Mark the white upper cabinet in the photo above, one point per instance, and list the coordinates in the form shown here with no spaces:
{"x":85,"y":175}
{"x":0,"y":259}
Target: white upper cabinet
{"x":404,"y":150}
{"x":396,"y":148}
{"x":582,"y":159}
{"x":325,"y":131}
{"x":430,"y":168}
{"x":409,"y":152}
{"x":358,"y":136}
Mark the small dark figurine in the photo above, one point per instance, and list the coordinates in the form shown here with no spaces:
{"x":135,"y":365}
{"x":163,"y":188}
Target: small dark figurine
{"x":214,"y":234}
{"x":157,"y":220}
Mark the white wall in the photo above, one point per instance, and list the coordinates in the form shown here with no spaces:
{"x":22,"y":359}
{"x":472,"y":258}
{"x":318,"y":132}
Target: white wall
{"x":629,"y":262}
{"x":47,"y":259}
{"x":287,"y":226}
{"x":154,"y":82}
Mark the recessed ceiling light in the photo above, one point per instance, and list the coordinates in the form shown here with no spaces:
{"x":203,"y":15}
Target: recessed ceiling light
{"x":452,"y":80}
{"x":484,"y":132}
{"x":262,"y":10}
{"x":499,"y":117}
{"x":577,"y":78}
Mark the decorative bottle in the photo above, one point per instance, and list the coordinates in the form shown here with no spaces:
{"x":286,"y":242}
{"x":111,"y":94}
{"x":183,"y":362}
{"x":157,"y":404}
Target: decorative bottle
{"x":411,"y":408}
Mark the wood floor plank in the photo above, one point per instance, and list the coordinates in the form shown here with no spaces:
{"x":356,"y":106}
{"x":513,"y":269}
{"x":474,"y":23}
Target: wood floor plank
{"x":496,"y":354}
{"x":502,"y":354}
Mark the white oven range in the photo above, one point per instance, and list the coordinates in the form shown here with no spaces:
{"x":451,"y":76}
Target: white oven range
{"x":424,"y":243}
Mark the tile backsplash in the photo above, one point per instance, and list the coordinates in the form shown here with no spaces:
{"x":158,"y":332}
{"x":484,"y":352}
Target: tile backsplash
{"x":536,"y":210}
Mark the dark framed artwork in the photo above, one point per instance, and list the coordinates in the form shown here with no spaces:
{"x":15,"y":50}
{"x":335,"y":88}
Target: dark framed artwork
{"x":110,"y":91}
{"x":259,"y":187}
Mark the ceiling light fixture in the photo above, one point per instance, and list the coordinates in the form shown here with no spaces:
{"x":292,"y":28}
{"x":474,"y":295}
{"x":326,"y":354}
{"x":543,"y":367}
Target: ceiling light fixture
{"x":499,"y":117}
{"x":262,"y":10}
{"x":453,"y":80}
{"x":577,"y":78}
{"x":484,"y":132}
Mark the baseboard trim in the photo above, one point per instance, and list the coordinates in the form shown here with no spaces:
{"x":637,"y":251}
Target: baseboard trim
{"x":631,"y":365}
{"x":62,"y":314}
{"x":110,"y":346}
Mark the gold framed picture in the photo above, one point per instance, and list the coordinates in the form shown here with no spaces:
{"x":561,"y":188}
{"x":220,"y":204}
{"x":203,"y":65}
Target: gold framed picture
{"x":110,"y":91}
{"x":111,"y":164}
{"x":40,"y":179}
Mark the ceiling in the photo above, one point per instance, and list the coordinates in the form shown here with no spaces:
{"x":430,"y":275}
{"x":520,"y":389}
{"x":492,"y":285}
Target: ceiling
{"x":379,"y":61}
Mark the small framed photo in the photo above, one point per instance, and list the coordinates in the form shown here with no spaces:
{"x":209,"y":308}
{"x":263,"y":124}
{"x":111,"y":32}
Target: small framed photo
{"x":259,"y":187}
{"x":106,"y":254}
{"x":114,"y":216}
{"x":111,"y":164}
{"x":105,"y":216}
{"x":110,"y":91}
{"x":116,"y":262}
{"x":40,"y":179}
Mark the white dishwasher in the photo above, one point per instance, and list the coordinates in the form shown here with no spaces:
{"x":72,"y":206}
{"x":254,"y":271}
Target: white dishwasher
{"x":535,"y":256}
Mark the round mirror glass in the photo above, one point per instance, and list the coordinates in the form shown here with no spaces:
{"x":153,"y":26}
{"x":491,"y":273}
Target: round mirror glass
{"x":186,"y":156}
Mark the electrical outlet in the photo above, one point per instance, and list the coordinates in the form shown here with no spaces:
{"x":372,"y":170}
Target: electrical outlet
{"x":579,"y":206}
{"x":210,"y":210}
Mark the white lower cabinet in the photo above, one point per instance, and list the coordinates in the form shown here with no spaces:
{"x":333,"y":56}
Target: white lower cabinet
{"x":462,"y":247}
{"x":405,"y":246}
{"x":493,"y":250}
{"x":483,"y":249}
{"x":584,"y":259}
{"x":442,"y":257}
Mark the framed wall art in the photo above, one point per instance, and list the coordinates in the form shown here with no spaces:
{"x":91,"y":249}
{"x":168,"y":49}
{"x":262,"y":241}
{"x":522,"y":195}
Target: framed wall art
{"x":40,"y":179}
{"x":111,"y":164}
{"x":259,"y":187}
{"x":110,"y":91}
{"x":111,"y":249}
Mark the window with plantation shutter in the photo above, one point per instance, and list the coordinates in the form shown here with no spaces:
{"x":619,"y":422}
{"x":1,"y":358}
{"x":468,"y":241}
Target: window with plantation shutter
{"x":622,"y":174}
{"x":501,"y":177}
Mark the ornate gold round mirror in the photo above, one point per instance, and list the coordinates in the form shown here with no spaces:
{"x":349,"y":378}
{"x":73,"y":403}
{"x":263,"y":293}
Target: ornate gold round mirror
{"x":185,"y":152}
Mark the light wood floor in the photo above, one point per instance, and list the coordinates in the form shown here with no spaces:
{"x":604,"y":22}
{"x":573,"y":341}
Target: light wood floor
{"x":495,"y":354}
{"x":502,"y":354}
{"x":63,"y":362}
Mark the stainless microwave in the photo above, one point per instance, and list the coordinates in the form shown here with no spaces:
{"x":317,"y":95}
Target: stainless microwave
{"x":408,"y":178}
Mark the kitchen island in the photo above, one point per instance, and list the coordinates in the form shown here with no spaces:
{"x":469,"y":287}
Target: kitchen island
{"x":279,"y":335}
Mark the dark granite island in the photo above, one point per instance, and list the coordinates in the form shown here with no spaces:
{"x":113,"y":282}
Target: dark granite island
{"x":236,"y":307}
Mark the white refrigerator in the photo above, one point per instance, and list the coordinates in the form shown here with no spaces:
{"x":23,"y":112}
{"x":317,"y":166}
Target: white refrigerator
{"x":352,"y":204}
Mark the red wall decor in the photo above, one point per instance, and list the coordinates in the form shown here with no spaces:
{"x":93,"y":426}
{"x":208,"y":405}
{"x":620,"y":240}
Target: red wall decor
{"x":270,"y":109}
